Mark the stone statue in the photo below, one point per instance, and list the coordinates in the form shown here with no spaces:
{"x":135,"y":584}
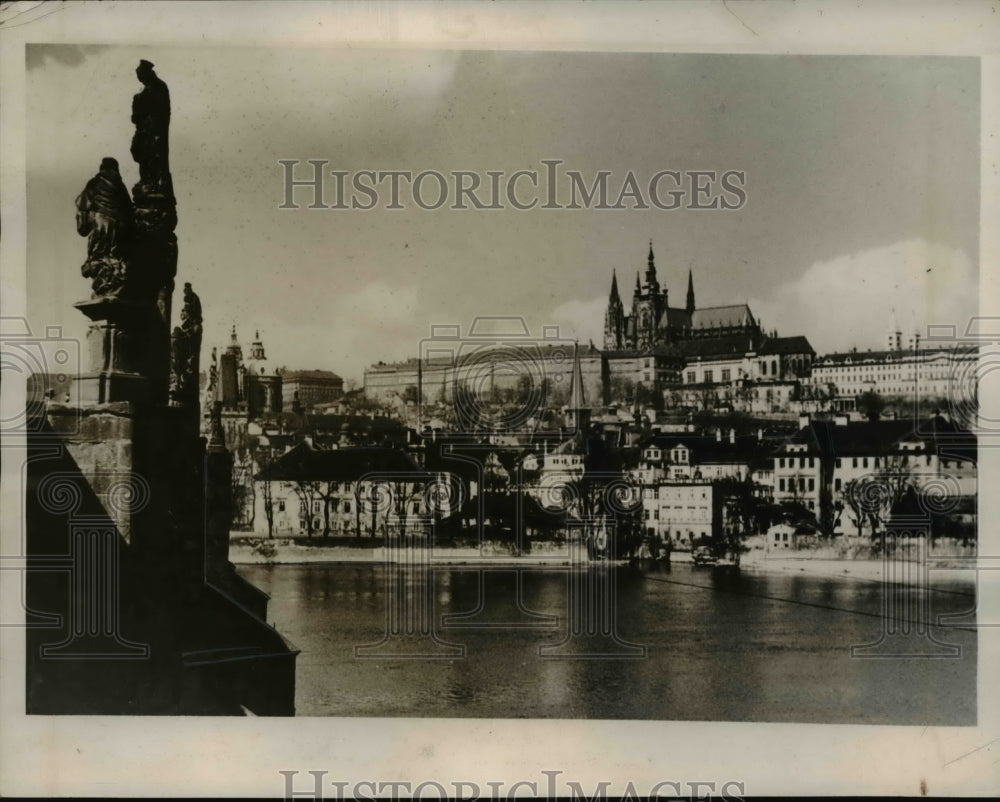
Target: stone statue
{"x":216,"y":432}
{"x":185,"y":350}
{"x":213,"y":377}
{"x":150,"y":144}
{"x":104,"y":215}
{"x":191,"y":313}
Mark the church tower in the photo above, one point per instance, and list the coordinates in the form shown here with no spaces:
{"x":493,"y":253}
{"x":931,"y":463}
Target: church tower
{"x":689,"y":306}
{"x":648,"y":304}
{"x":614,"y":318}
{"x":895,"y":335}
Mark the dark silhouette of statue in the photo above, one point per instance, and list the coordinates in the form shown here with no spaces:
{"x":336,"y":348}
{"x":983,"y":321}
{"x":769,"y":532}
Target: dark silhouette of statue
{"x":185,"y":351}
{"x":104,"y":215}
{"x":150,"y":144}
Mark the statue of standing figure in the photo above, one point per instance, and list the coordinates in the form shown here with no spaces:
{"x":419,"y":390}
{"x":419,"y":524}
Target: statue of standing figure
{"x":150,"y":144}
{"x":104,"y":215}
{"x":185,"y":351}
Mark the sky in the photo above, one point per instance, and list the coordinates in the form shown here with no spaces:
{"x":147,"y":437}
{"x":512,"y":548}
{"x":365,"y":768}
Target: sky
{"x":862,"y":186}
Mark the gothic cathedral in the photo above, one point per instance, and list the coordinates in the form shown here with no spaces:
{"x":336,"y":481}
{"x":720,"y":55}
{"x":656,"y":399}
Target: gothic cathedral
{"x":653,"y":322}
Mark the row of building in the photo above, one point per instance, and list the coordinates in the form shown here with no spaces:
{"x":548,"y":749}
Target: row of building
{"x":835,"y":477}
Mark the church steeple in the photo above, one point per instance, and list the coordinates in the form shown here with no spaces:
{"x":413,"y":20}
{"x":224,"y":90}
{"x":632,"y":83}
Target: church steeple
{"x":638,"y":284}
{"x":690,"y":295}
{"x":257,"y":348}
{"x":651,"y":282}
{"x":614,"y":318}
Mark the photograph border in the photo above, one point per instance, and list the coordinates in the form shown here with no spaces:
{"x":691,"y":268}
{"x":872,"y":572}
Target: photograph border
{"x":171,"y":756}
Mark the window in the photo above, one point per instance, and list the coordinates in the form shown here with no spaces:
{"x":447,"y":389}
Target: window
{"x":317,"y":506}
{"x":781,"y":462}
{"x":781,"y":485}
{"x":864,"y":462}
{"x":347,"y":506}
{"x":838,"y":462}
{"x":708,"y":377}
{"x":812,"y":484}
{"x":836,"y":485}
{"x":725,"y":374}
{"x":854,"y":462}
{"x":281,"y":505}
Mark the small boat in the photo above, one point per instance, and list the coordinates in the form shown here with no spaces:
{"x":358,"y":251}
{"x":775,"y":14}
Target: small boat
{"x":706,"y":557}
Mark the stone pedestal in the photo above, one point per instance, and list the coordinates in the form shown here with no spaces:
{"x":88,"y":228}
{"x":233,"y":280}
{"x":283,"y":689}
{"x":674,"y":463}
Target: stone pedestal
{"x":114,"y":353}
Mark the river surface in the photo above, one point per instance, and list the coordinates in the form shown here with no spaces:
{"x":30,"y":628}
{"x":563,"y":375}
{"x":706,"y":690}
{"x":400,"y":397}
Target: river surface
{"x":658,"y":642}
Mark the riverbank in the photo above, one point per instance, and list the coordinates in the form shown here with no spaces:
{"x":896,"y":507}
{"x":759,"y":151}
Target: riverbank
{"x":277,"y":551}
{"x":287,"y":551}
{"x":872,"y":569}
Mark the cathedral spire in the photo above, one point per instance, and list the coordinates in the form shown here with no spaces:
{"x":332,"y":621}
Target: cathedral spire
{"x":638,"y":284}
{"x":690,"y":295}
{"x":614,"y":286}
{"x":651,"y":281}
{"x":576,"y":382}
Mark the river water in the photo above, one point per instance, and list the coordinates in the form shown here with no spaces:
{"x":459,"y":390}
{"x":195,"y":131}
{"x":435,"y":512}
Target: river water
{"x":626,"y":642}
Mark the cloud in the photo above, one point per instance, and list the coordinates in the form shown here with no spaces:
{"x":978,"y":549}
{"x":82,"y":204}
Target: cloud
{"x":850,"y":301}
{"x":581,"y":320}
{"x":343,"y":332}
{"x":69,"y":55}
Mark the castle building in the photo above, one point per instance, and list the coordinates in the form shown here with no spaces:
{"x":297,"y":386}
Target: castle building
{"x":691,"y":354}
{"x":654,"y":322}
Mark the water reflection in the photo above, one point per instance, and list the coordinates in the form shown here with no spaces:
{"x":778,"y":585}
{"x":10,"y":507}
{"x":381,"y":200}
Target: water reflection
{"x":718,"y":646}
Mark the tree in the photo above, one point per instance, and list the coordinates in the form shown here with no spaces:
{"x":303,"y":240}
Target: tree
{"x":306,"y":492}
{"x":327,"y":491}
{"x":872,"y":497}
{"x":260,"y":459}
{"x":871,"y":404}
{"x":242,"y":489}
{"x":648,"y":397}
{"x":829,"y":511}
{"x":622,"y":389}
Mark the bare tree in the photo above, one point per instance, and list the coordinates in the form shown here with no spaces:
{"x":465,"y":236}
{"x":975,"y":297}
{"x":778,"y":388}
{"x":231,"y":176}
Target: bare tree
{"x":306,"y":492}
